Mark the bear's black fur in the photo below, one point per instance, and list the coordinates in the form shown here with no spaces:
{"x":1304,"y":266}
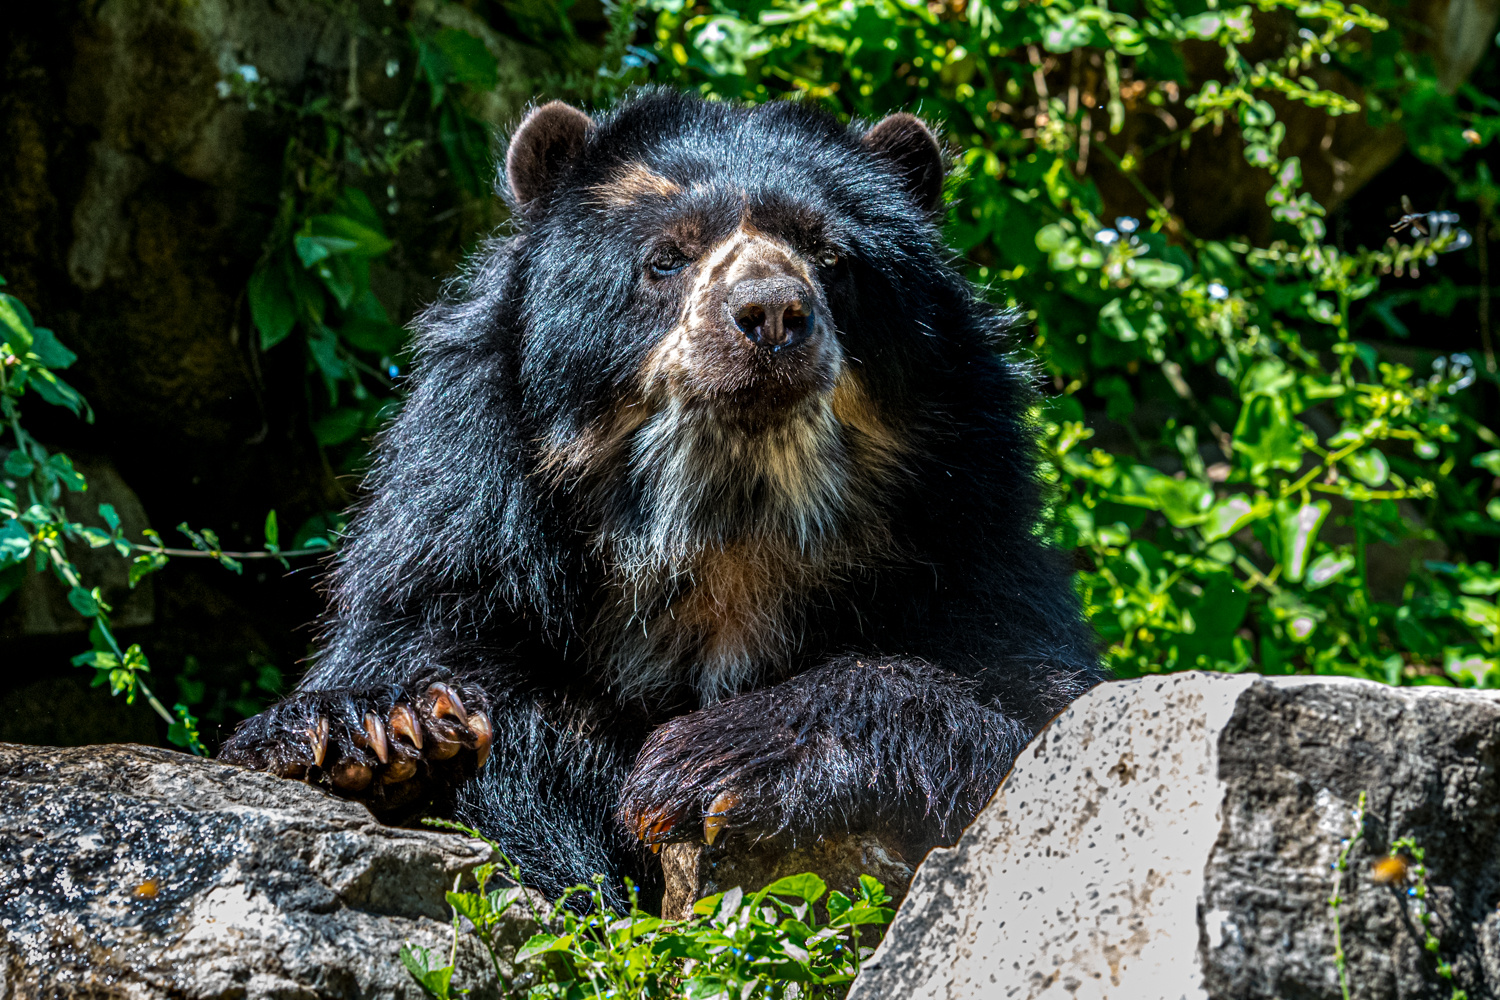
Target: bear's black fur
{"x":711,"y":508}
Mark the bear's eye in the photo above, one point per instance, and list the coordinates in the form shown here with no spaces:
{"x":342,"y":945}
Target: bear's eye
{"x":668,"y":260}
{"x":828,"y":258}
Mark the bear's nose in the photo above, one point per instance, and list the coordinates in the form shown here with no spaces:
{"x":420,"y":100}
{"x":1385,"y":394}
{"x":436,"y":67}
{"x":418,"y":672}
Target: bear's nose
{"x":775,"y":313}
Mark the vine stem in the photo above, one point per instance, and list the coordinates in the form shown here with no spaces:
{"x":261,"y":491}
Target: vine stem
{"x":216,"y":553}
{"x":1340,"y":960}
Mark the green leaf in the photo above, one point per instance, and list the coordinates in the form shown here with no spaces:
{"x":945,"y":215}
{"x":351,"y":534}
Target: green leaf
{"x":541,"y":944}
{"x":57,"y":392}
{"x":323,"y":344}
{"x":319,"y":531}
{"x":371,"y":335}
{"x":273,"y":532}
{"x":434,"y":66}
{"x":49,"y":350}
{"x":468,"y":59}
{"x":15,"y":542}
{"x":1156,"y":273}
{"x":806,"y":886}
{"x":1221,"y":609}
{"x":273,"y":308}
{"x":144,"y":565}
{"x":84,"y":602}
{"x":1268,"y":435}
{"x":1369,"y":466}
{"x":1185,"y":502}
{"x":1489,"y":461}
{"x":1299,"y":530}
{"x":363,"y":240}
{"x":15,"y":324}
{"x":19,"y":464}
{"x":1113,"y":322}
{"x":1228,"y":516}
{"x":1204,"y":26}
{"x":339,"y":278}
{"x":435,"y":982}
{"x":1327,"y":568}
{"x":111,"y":518}
{"x":312,"y":249}
{"x":60,"y":467}
{"x":339,"y":426}
{"x":469,"y":904}
{"x":1067,"y":33}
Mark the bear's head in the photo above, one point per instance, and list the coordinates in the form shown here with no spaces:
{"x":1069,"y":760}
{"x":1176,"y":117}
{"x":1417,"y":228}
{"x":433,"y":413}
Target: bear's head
{"x":732,"y":325}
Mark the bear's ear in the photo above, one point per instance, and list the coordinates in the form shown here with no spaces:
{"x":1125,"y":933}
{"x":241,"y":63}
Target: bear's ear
{"x":548,"y":139}
{"x":913,"y":152}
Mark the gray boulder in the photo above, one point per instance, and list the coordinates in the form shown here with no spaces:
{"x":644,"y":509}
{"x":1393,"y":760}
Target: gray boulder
{"x":1177,"y":837}
{"x":131,"y":872}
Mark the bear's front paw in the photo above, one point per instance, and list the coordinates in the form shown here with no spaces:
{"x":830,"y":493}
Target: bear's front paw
{"x":387,"y":746}
{"x":714,"y":770}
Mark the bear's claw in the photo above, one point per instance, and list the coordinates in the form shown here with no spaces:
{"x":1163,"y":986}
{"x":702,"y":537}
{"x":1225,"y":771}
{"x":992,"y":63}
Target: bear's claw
{"x":387,"y":748}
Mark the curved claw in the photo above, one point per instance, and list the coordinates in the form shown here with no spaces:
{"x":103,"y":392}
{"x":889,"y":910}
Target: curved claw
{"x":375,"y":737}
{"x":319,"y":737}
{"x":714,"y":821}
{"x":484,"y":735}
{"x":445,"y":703}
{"x":404,"y":723}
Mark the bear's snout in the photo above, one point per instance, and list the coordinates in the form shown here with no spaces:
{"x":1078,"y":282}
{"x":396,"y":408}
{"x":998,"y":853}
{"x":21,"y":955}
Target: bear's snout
{"x":774,"y":313}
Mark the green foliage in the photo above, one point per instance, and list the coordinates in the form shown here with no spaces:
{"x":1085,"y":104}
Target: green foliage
{"x":769,"y":944}
{"x":35,"y":527}
{"x":1231,"y":529}
{"x":314,"y":277}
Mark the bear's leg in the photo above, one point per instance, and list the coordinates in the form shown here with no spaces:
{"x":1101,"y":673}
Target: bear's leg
{"x":892,"y":746}
{"x":549,"y":795}
{"x":392,"y":746}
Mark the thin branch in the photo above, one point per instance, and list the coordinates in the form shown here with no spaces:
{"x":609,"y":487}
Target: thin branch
{"x":216,"y":553}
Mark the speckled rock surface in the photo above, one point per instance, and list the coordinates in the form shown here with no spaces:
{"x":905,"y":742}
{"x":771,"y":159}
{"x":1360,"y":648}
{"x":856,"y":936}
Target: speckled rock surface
{"x":132,"y":872}
{"x":1173,"y":837}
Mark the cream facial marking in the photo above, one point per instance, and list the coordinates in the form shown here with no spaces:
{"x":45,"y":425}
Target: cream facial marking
{"x":633,"y":184}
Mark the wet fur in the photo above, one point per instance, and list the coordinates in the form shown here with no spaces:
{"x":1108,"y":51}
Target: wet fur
{"x":841,"y":609}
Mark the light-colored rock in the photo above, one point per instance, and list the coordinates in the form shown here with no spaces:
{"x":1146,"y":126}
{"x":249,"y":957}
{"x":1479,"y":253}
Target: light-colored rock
{"x":135,"y":873}
{"x":1173,"y":837}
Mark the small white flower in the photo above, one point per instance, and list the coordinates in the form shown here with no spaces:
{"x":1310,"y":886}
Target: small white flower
{"x":392,"y":67}
{"x":249,"y":73}
{"x":1106,"y":236}
{"x":1127,"y":225}
{"x":1217,"y":291}
{"x":223,"y":88}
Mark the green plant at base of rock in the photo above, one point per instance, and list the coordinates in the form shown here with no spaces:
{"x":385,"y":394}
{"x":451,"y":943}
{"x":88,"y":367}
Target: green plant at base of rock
{"x":35,"y":526}
{"x":1407,"y":847}
{"x":768,"y":944}
{"x":1402,"y":867}
{"x":1336,"y":900}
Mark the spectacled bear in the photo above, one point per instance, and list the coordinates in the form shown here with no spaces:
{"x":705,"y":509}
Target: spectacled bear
{"x":712,"y":508}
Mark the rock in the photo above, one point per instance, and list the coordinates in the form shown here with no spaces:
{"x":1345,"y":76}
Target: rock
{"x":694,"y":871}
{"x":1174,"y":837}
{"x":132,"y":872}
